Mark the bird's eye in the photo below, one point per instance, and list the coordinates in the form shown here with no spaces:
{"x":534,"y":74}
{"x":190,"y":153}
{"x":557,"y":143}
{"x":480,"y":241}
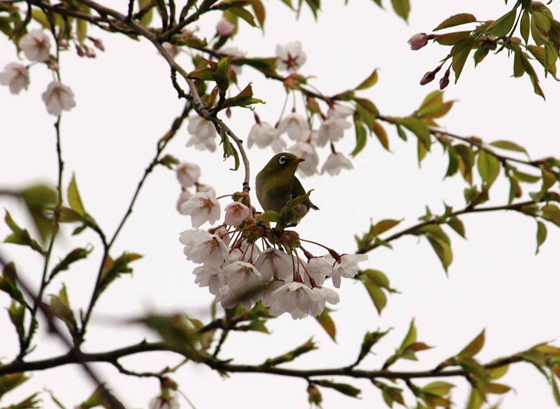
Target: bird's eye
{"x":282,"y":160}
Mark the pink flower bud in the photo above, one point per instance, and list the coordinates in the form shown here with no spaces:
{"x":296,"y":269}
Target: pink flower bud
{"x":53,"y":65}
{"x":97,"y":43}
{"x":417,"y":41}
{"x":63,"y":43}
{"x":224,"y":28}
{"x":80,"y":51}
{"x":90,"y":52}
{"x":236,"y":213}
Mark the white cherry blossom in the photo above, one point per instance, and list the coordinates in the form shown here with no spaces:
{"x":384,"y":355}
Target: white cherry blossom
{"x":335,"y":163}
{"x":202,"y":207}
{"x":202,"y":144}
{"x":58,"y":97}
{"x":209,"y":276}
{"x":346,"y":266}
{"x":236,"y":213}
{"x":308,"y":152}
{"x":224,"y":27}
{"x":274,"y":263}
{"x":201,"y":128}
{"x":323,"y":295}
{"x":188,"y":174}
{"x":318,"y":268}
{"x":295,"y":298}
{"x":36,"y":45}
{"x":184,"y":196}
{"x":203,"y":247}
{"x":290,"y":56}
{"x":332,"y":130}
{"x":295,"y":125}
{"x":262,"y":134}
{"x":15,"y":76}
{"x":222,"y":233}
{"x":242,"y":276}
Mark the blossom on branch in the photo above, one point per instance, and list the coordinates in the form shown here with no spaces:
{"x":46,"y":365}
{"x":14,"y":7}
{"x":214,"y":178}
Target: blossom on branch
{"x":188,"y":174}
{"x":203,"y":247}
{"x":263,"y":135}
{"x":290,"y":56}
{"x":15,"y":76}
{"x":295,"y":125}
{"x":236,"y":213}
{"x":225,"y":28}
{"x":36,"y":46}
{"x":335,"y":163}
{"x":345,"y":266}
{"x":58,"y":97}
{"x":202,"y":207}
{"x":418,"y":41}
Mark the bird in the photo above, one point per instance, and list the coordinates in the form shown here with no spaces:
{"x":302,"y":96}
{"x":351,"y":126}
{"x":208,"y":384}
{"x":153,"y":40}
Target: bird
{"x":277,"y":184}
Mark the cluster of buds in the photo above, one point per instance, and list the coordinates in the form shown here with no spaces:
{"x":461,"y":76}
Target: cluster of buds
{"x":244,"y":261}
{"x":431,"y":75}
{"x":36,"y":46}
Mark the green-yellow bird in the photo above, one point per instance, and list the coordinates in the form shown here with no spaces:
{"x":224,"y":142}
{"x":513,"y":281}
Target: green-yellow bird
{"x":277,"y":184}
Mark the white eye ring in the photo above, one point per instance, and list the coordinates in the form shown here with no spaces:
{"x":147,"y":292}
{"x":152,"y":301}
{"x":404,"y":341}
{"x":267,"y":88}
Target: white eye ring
{"x":282,"y":160}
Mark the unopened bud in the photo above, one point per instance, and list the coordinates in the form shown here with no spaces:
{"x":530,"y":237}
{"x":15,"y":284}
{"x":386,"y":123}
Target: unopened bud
{"x":224,"y":28}
{"x":90,"y":52}
{"x":418,"y":41}
{"x":80,"y":50}
{"x":429,"y":76}
{"x":97,"y":43}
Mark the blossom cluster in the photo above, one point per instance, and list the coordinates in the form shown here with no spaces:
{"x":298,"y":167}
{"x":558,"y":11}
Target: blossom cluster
{"x":293,"y":127}
{"x":237,"y":270}
{"x":36,"y":46}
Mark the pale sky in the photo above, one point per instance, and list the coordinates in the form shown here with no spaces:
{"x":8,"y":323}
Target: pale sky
{"x":125,"y":103}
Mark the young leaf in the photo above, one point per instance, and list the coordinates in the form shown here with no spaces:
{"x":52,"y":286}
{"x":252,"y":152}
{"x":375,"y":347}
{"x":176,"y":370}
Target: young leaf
{"x":473,"y":347}
{"x":456,"y":20}
{"x":488,"y":167}
{"x":460,"y":53}
{"x":509,"y":146}
{"x":74,"y":197}
{"x":361,"y":137}
{"x":290,"y":356}
{"x":541,"y":235}
{"x":326,"y":321}
{"x":343,"y":388}
{"x":402,"y":8}
{"x":368,"y":82}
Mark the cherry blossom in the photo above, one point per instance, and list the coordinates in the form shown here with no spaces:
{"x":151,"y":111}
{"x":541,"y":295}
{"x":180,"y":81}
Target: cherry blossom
{"x":188,"y":174}
{"x":201,"y":128}
{"x":332,"y":129}
{"x":295,"y":298}
{"x":58,"y":98}
{"x":225,"y":28}
{"x":222,"y":233}
{"x":290,"y":56}
{"x":202,"y":207}
{"x":335,"y":163}
{"x":242,"y":276}
{"x":209,"y":276}
{"x":262,"y":134}
{"x":308,"y":152}
{"x":345,"y":266}
{"x":322,"y":295}
{"x":236,"y":213}
{"x":202,"y":144}
{"x":16,"y":76}
{"x":203,"y":247}
{"x":418,"y":41}
{"x":318,"y":268}
{"x":295,"y":125}
{"x":167,"y":400}
{"x":274,"y":263}
{"x":36,"y":45}
{"x":172,"y":49}
{"x":184,"y":196}
{"x":229,"y":298}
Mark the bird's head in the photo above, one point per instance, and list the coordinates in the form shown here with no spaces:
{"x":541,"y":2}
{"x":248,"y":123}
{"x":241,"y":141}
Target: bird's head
{"x":283,"y":163}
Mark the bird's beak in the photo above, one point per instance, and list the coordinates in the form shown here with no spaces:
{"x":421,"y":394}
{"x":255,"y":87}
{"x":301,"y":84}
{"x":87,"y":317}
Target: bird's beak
{"x":299,"y":160}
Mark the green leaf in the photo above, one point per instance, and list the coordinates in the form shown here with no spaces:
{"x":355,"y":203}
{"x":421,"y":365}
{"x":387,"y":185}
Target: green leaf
{"x":475,"y":400}
{"x":526,"y":25}
{"x":452,"y":38}
{"x":75,"y":255}
{"x":20,"y":236}
{"x":114,"y":269}
{"x":343,"y":388}
{"x":376,"y":294}
{"x":438,"y":388}
{"x":509,"y":146}
{"x":548,"y":178}
{"x":402,"y":8}
{"x":456,"y":20}
{"x":456,"y":224}
{"x":361,"y":137}
{"x":418,"y":128}
{"x":326,"y":321}
{"x":74,"y":198}
{"x":502,"y":26}
{"x":292,"y":355}
{"x":381,"y":134}
{"x":243,"y":99}
{"x":460,"y":52}
{"x":370,"y":339}
{"x":525,"y":177}
{"x":8,"y":283}
{"x":147,"y":17}
{"x":260,"y":11}
{"x":473,"y":347}
{"x":10,"y":382}
{"x":541,"y":235}
{"x":81,"y":29}
{"x":177,"y":331}
{"x":551,"y":213}
{"x":488,"y":167}
{"x":265,"y":65}
{"x":244,"y":14}
{"x":17,"y":317}
{"x":384,"y":225}
{"x":368,"y":82}
{"x":60,"y":307}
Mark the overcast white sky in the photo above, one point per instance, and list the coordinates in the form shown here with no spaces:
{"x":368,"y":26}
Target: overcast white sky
{"x":125,"y":102}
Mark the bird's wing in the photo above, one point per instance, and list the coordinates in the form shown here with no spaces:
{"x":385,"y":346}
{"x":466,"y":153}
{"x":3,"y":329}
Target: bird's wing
{"x":298,"y":190}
